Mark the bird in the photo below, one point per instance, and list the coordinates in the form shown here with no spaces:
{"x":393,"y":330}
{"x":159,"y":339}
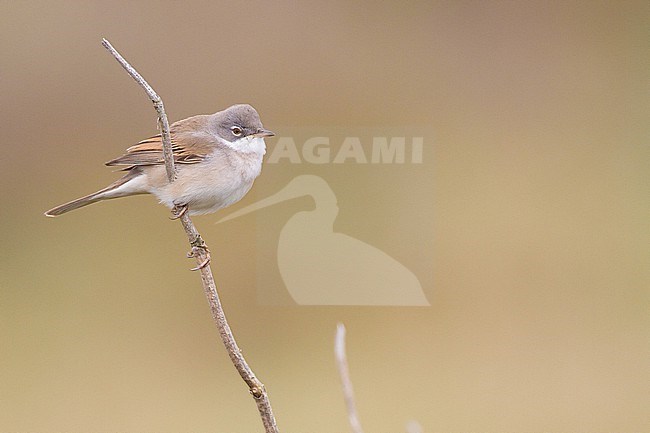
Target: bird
{"x":320,"y":266}
{"x":217,"y":159}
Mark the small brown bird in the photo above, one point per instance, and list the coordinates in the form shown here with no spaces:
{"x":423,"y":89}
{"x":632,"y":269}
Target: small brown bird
{"x":217,"y":156}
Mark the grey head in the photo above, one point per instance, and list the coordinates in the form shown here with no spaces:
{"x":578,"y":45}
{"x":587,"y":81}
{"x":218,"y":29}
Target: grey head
{"x":239,"y":121}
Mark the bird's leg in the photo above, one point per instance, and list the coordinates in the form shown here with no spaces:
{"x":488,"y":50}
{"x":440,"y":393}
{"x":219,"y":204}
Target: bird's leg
{"x":197,"y":246}
{"x":178,"y":211}
{"x":203,"y":264}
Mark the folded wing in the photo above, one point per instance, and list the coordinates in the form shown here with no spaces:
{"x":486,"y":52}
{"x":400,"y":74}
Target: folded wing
{"x":191,"y":143}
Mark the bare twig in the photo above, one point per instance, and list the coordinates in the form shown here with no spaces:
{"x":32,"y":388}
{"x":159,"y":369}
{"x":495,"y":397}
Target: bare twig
{"x":163,"y":123}
{"x":257,"y":390}
{"x":348,"y":393}
{"x":413,"y":427}
{"x":201,"y":254}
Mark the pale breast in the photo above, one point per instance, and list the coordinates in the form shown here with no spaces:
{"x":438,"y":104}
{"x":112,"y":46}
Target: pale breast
{"x":220,"y":180}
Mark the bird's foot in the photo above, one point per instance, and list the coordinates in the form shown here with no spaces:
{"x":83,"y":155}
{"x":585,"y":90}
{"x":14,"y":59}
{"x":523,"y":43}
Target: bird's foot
{"x":178,"y":211}
{"x":203,"y":264}
{"x":198,"y":247}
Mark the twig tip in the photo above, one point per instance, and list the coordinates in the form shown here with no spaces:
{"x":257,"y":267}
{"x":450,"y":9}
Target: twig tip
{"x":413,"y":427}
{"x":339,"y":341}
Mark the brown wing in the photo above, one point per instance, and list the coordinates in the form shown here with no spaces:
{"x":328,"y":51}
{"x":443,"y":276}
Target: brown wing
{"x":190,"y":144}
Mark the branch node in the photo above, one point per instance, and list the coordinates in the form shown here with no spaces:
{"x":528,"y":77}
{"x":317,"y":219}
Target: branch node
{"x":257,"y":392}
{"x":198,"y":242}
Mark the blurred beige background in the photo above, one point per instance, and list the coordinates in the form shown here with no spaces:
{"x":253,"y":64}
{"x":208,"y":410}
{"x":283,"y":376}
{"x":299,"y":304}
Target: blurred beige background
{"x":536,"y":260}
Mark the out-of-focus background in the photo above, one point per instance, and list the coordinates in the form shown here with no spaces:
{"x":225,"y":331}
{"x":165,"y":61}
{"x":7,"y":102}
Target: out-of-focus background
{"x":528,"y":227}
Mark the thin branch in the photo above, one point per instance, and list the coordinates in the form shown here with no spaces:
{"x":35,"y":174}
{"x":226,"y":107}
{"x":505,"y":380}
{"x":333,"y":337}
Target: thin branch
{"x":257,"y":389}
{"x":163,"y":123}
{"x":348,"y":393}
{"x":201,"y":254}
{"x":413,"y":427}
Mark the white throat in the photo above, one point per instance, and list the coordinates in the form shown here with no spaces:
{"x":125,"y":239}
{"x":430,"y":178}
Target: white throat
{"x":248,"y":144}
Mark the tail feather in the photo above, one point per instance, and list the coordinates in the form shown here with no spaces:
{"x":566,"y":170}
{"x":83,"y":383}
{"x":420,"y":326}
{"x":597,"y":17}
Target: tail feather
{"x":94,"y":197}
{"x":74,"y":204}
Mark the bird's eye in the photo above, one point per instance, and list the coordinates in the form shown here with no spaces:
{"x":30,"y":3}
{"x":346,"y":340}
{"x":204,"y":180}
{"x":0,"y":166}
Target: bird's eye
{"x":237,"y":131}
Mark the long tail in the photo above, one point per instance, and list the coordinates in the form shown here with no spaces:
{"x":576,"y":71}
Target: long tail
{"x":111,"y":191}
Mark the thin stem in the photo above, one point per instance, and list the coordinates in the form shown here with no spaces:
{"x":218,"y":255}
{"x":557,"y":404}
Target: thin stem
{"x":201,"y":254}
{"x":413,"y":427}
{"x":344,"y":373}
{"x":257,"y":389}
{"x":163,"y":123}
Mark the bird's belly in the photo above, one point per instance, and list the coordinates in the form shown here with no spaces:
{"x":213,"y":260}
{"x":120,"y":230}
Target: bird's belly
{"x":212,"y":197}
{"x":205,"y":188}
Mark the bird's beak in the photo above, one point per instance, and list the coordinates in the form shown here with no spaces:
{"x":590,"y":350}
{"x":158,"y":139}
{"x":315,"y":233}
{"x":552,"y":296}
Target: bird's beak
{"x":261,"y":133}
